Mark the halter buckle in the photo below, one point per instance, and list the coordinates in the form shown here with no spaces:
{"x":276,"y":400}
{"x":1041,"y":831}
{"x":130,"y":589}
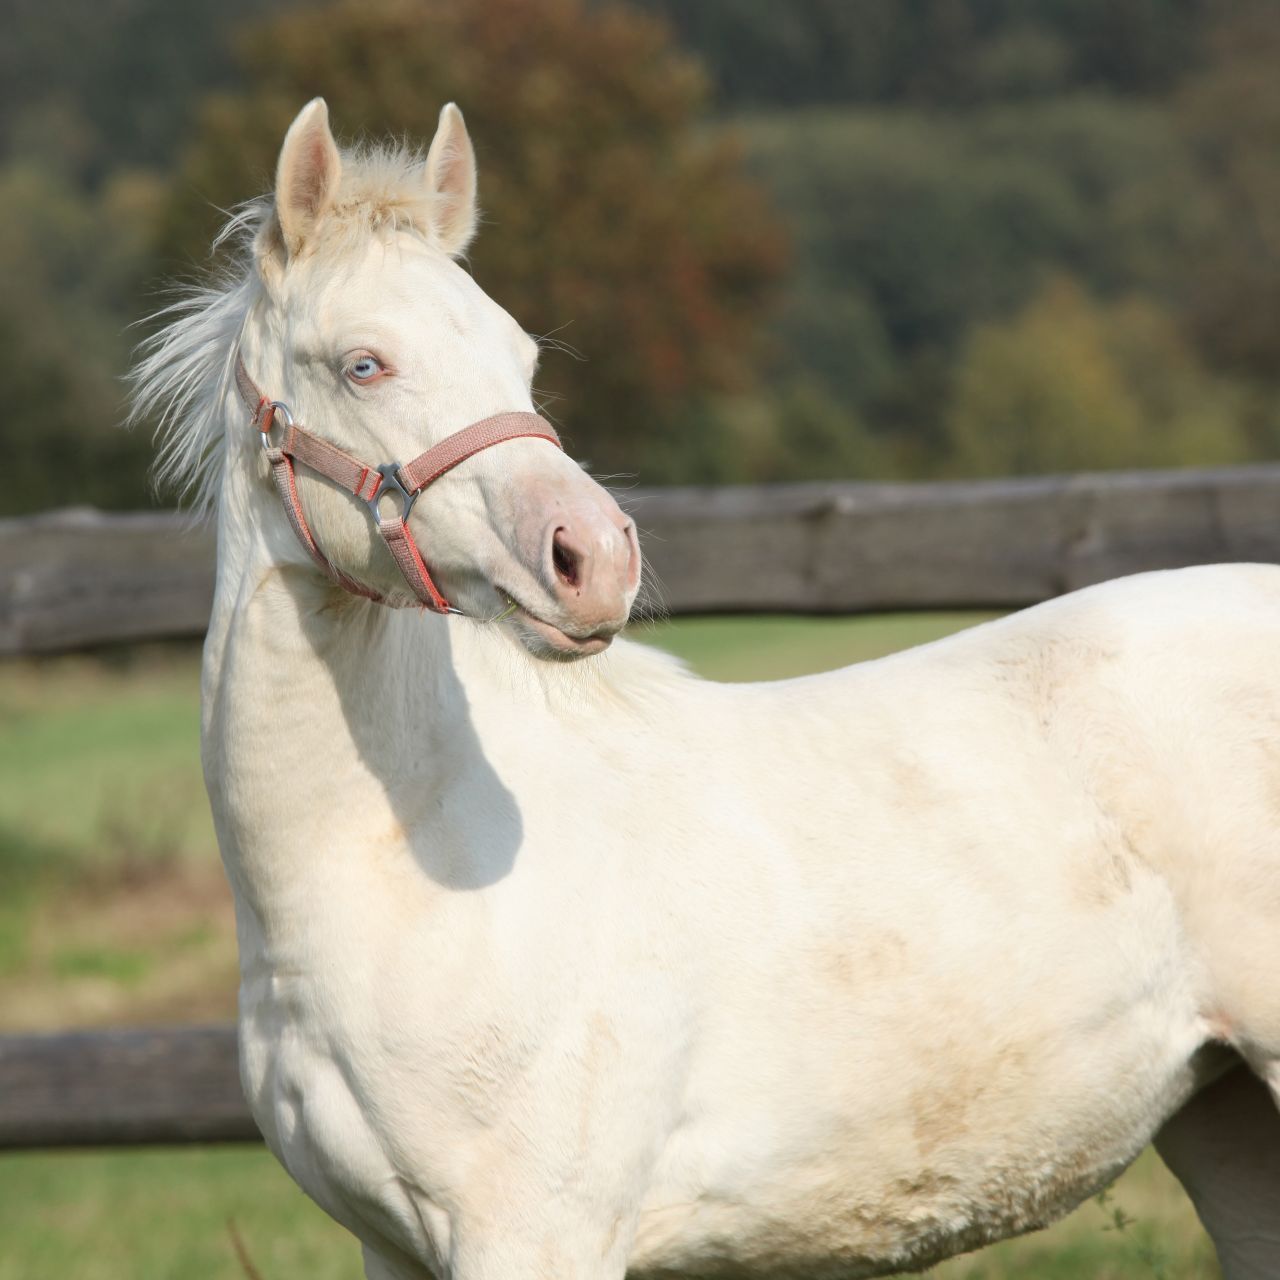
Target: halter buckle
{"x":269,"y":411}
{"x":390,"y":473}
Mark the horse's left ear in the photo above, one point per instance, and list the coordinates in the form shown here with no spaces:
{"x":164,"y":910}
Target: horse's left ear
{"x":451,"y":178}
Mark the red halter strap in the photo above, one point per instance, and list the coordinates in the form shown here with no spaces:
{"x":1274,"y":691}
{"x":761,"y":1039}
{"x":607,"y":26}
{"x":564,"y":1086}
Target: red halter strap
{"x":370,"y":483}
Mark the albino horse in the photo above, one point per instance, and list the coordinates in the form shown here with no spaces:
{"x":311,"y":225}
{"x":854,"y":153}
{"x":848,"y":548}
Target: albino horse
{"x":568,"y":970}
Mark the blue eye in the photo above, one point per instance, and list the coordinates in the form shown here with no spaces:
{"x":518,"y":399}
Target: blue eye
{"x":365,"y":369}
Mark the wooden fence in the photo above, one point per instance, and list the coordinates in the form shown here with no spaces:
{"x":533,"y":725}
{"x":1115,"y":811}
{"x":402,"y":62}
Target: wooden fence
{"x":74,"y":578}
{"x":79,"y":577}
{"x":113,"y":1088}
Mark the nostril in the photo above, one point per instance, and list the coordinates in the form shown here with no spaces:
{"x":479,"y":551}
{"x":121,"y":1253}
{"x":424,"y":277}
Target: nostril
{"x":566,"y":560}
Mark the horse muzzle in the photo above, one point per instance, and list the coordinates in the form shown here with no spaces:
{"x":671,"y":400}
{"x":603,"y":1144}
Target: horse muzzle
{"x":586,"y":563}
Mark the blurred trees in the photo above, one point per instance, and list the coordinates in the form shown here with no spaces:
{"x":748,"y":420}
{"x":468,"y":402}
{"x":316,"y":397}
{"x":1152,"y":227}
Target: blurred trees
{"x":1025,"y":234}
{"x":93,"y":100}
{"x":970,"y":174}
{"x":1106,"y":385}
{"x":70,"y":263}
{"x":1230,"y":115}
{"x":913,"y":231}
{"x":937,"y":52}
{"x":611,"y":222}
{"x":92,"y":88}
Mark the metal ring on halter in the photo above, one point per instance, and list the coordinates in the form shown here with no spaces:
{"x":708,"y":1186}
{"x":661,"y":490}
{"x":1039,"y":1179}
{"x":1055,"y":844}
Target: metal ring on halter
{"x":276,"y":406}
{"x":390,"y":473}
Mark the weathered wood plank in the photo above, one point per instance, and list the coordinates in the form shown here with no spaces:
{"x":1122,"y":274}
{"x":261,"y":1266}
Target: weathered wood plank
{"x":81,"y":577}
{"x":75,"y":578}
{"x":833,"y":548}
{"x":112,"y":1088}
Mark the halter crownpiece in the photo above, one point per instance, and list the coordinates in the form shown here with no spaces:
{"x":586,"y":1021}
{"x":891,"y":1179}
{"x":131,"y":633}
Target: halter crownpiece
{"x":372,"y":483}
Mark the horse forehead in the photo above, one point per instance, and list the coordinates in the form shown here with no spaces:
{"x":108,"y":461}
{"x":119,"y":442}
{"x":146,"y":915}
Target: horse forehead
{"x":408,"y":284}
{"x":399,"y":298}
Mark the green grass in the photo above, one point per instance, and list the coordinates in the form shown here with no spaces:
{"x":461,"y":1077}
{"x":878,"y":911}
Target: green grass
{"x":117,"y":964}
{"x":162,"y":1215}
{"x":103,"y":825}
{"x":1143,"y":1229}
{"x":99,"y":781}
{"x":99,"y":759}
{"x":770,"y":648}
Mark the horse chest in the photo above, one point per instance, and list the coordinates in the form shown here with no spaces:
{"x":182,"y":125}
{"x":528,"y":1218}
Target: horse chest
{"x":385,"y":1114}
{"x":315,"y":1122}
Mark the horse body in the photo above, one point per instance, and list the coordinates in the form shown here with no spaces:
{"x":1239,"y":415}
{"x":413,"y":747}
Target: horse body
{"x":579,"y":969}
{"x":848,"y":972}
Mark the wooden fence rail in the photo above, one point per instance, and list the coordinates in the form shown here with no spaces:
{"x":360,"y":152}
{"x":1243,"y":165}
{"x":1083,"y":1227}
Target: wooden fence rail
{"x":79,"y":577}
{"x":114,"y":1088}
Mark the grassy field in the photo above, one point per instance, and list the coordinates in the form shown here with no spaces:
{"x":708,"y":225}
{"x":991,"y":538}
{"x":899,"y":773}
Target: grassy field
{"x":113,"y":910}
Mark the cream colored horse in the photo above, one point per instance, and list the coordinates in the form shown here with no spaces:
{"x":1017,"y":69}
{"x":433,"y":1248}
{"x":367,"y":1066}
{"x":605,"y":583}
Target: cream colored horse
{"x":565,"y":970}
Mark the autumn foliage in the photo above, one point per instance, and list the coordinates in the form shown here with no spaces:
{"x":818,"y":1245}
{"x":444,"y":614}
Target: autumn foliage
{"x":611,"y":223}
{"x":1023,"y":235}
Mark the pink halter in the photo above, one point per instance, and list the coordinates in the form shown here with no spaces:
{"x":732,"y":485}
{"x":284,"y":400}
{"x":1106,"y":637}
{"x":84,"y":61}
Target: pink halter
{"x":369,"y":483}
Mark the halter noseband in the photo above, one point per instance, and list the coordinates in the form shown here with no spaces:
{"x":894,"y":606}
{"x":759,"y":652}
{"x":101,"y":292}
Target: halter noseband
{"x":371,"y":483}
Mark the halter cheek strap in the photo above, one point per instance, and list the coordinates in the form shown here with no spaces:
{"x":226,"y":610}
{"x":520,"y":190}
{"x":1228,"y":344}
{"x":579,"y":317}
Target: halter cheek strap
{"x":372,"y":483}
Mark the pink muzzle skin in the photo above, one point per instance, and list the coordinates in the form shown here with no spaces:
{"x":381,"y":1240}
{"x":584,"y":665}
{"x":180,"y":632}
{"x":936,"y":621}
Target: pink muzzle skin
{"x":372,"y":483}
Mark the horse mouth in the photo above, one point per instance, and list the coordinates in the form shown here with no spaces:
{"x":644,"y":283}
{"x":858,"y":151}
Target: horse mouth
{"x":549,"y":641}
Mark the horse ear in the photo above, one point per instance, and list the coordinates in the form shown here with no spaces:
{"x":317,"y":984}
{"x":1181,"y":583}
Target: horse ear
{"x":307,"y":175}
{"x":451,"y":178}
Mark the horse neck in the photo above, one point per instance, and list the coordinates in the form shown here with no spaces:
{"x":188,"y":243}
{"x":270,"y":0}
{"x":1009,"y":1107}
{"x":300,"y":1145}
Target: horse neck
{"x":329,"y":723}
{"x":334,"y":728}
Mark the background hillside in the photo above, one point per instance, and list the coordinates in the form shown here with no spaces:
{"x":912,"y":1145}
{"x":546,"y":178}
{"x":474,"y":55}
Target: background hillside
{"x":825,"y":238}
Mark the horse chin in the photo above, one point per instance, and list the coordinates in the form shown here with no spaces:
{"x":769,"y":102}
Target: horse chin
{"x":547,"y":641}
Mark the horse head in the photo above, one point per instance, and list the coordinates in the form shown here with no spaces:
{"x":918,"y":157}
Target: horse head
{"x":369,"y":331}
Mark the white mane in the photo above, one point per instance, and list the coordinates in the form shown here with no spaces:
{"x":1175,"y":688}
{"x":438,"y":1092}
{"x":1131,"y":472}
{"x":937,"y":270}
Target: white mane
{"x":183,"y":370}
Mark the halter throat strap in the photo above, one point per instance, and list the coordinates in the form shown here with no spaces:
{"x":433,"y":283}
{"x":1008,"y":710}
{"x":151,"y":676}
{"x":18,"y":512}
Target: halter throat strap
{"x":372,"y":484}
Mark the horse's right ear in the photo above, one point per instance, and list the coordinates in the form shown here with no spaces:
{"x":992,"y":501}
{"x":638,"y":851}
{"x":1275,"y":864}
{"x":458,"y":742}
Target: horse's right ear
{"x":307,"y":176}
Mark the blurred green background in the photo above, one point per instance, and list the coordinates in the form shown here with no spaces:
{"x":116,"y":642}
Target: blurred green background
{"x":765,"y":241}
